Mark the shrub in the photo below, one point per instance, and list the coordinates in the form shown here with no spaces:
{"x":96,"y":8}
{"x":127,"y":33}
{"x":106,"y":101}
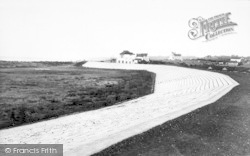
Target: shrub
{"x":111,"y":99}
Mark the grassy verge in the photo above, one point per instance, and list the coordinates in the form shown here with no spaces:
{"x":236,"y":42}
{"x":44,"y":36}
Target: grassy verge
{"x":33,"y":94}
{"x":244,"y":68}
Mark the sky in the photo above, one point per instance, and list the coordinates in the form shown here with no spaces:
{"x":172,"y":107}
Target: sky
{"x":72,"y":30}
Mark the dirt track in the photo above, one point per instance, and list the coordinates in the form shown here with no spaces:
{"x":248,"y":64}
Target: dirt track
{"x":221,"y":128}
{"x":177,"y":91}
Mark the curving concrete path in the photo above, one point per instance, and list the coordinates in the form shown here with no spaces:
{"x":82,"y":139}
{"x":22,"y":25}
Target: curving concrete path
{"x":177,"y":91}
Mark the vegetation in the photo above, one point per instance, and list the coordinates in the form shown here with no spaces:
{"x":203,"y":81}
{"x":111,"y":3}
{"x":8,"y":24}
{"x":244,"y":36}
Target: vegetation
{"x":24,"y":64}
{"x":196,"y":65}
{"x":33,"y":94}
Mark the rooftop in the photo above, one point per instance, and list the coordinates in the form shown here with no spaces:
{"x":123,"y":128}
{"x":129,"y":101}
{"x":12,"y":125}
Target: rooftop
{"x":126,"y":52}
{"x":175,"y":54}
{"x":142,"y":55}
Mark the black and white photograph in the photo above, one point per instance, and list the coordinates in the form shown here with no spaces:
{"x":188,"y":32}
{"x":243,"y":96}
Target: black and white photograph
{"x":124,"y":78}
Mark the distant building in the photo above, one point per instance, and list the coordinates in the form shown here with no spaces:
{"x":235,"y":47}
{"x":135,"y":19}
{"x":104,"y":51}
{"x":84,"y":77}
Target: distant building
{"x":224,"y":69}
{"x":221,"y":63}
{"x":207,"y":62}
{"x":236,"y":59}
{"x":233,"y":63}
{"x":142,"y":57}
{"x":127,"y":57}
{"x":175,"y":56}
{"x":208,"y":57}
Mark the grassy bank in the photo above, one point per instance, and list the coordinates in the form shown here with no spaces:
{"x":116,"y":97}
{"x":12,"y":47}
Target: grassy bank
{"x":32,"y":94}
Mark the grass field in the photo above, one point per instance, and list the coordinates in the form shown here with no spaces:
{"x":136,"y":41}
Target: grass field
{"x":23,"y":64}
{"x":221,"y":128}
{"x":36,"y":93}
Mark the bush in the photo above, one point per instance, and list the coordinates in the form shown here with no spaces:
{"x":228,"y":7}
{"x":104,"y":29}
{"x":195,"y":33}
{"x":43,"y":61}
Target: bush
{"x":111,"y":99}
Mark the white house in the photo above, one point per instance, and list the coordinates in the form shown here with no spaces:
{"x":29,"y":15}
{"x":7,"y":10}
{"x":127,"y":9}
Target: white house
{"x":236,"y":59}
{"x":127,"y":57}
{"x":175,"y":56}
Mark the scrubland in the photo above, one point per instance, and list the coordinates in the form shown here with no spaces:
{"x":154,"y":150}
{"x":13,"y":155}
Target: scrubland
{"x":36,"y":93}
